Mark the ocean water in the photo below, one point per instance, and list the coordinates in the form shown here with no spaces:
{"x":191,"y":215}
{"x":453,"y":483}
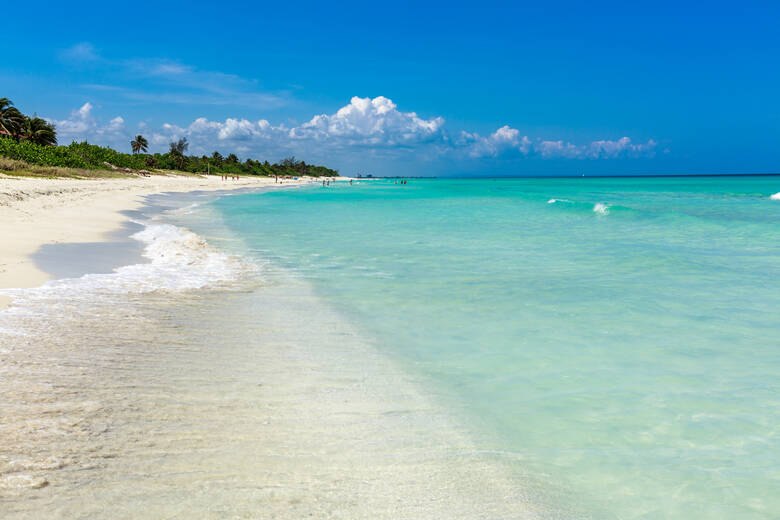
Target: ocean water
{"x":207,"y":382}
{"x":514,"y":348}
{"x":617,"y":339}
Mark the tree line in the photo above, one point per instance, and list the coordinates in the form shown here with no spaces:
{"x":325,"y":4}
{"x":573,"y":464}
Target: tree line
{"x":35,"y":140}
{"x":176,"y":158}
{"x":18,"y":126}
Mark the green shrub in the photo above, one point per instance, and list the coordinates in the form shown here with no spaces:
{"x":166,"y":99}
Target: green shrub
{"x":90,"y":156}
{"x":40,"y":154}
{"x":74,"y":155}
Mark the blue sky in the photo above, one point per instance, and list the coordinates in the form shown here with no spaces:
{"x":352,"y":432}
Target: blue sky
{"x":445,"y":88}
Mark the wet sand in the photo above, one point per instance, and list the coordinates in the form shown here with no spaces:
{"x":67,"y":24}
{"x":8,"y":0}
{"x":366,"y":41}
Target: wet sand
{"x":35,"y":212}
{"x":248,"y":398}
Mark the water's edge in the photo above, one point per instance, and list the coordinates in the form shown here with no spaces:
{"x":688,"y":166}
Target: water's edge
{"x":114,"y":389}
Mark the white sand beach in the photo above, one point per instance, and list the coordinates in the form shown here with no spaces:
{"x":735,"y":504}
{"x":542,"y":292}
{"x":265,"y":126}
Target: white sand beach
{"x":38,"y":211}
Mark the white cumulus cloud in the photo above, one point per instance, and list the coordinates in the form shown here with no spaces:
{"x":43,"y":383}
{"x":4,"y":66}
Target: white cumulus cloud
{"x":238,"y":129}
{"x":79,"y":123}
{"x":115,"y":125}
{"x":507,"y":140}
{"x":364,"y":122}
{"x":623,"y":146}
{"x":501,"y":141}
{"x":82,"y":125}
{"x":558,"y":149}
{"x":374,"y":122}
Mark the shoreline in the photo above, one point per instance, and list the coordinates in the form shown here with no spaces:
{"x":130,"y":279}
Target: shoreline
{"x":241,"y":405}
{"x":35,"y":212}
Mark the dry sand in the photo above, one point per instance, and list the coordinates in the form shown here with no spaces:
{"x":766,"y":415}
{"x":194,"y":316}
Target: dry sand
{"x":37,"y":211}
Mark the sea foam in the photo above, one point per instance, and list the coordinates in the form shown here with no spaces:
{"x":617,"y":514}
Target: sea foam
{"x":776,"y":196}
{"x":179,"y":260}
{"x":601,"y":208}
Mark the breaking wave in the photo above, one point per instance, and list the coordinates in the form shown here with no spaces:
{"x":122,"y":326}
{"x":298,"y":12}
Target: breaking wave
{"x":179,"y":260}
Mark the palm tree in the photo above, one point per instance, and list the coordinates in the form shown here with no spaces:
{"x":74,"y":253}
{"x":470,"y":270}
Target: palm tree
{"x":139,"y":144}
{"x":38,"y":131}
{"x":179,"y":147}
{"x":11,"y":120}
{"x":177,"y":152}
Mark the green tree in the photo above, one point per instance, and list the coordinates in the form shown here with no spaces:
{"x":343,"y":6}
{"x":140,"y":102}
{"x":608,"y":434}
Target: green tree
{"x":180,"y":146}
{"x":38,"y":131}
{"x":177,"y":152}
{"x":232,"y":159}
{"x":139,"y":144}
{"x":217,"y":158}
{"x":11,"y":120}
{"x":289,"y":162}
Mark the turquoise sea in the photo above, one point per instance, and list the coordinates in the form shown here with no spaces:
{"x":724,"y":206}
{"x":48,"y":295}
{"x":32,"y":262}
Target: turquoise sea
{"x":616,"y":341}
{"x":581,"y":348}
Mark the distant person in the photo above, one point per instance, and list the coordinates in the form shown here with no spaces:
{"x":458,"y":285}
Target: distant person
{"x":350,"y":182}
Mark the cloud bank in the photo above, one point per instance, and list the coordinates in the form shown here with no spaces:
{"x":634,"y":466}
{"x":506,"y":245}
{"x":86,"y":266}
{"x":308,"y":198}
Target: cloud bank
{"x":365,"y":124}
{"x":82,"y":125}
{"x":370,"y":122}
{"x":507,"y":141}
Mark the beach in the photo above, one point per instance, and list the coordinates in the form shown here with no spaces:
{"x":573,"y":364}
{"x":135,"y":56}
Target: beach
{"x":39,"y":211}
{"x":203,"y":383}
{"x":345,"y":351}
{"x":419,"y":262}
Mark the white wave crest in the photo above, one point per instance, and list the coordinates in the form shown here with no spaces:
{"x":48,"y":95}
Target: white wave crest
{"x":185,"y":210}
{"x":776,"y":196}
{"x":553,"y":201}
{"x":179,"y":260}
{"x":601,"y":208}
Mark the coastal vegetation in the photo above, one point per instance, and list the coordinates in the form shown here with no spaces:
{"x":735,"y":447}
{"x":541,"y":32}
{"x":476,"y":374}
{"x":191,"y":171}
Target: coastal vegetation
{"x":19,"y":126}
{"x":139,"y":144}
{"x":33,"y":140}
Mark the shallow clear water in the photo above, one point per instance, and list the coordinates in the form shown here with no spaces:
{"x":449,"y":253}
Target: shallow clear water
{"x":201,"y":384}
{"x":535,"y":348}
{"x":617,"y":339}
